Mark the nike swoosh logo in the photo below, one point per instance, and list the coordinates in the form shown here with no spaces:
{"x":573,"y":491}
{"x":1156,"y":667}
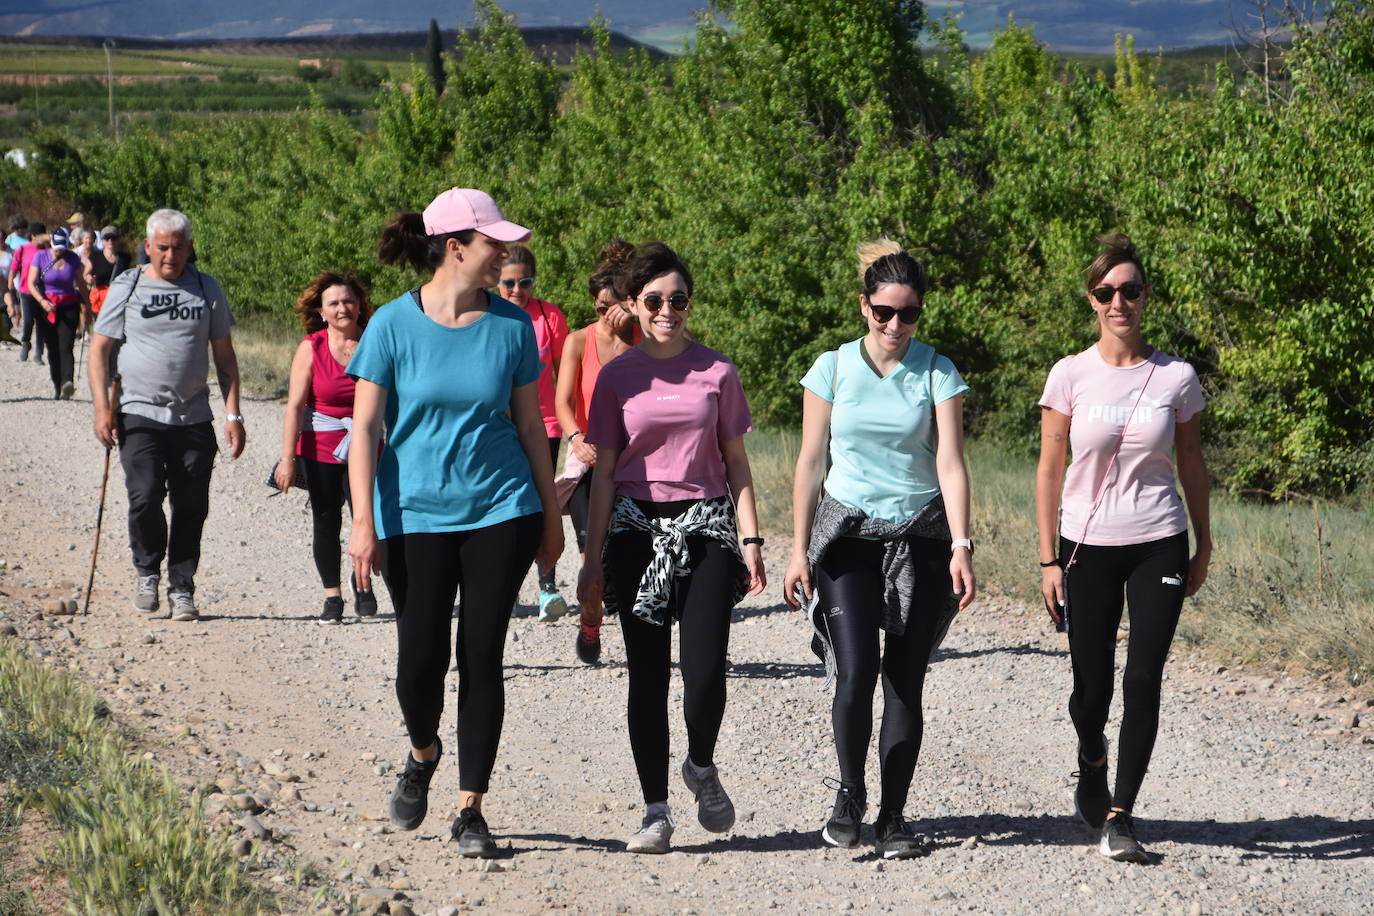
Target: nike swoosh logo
{"x":153,"y":313}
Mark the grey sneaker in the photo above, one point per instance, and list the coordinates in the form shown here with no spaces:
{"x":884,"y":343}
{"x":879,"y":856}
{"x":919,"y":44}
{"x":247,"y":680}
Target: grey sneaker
{"x":66,"y":391}
{"x":654,"y":835}
{"x":145,"y":596}
{"x":715,"y":811}
{"x":183,"y":606}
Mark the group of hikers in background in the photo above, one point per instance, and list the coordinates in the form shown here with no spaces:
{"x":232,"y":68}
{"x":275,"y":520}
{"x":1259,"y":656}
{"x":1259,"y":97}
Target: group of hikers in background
{"x":439,"y":419}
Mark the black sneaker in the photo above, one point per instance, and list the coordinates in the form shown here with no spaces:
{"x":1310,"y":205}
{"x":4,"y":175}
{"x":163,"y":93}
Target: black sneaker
{"x":24,"y":353}
{"x":847,"y":817}
{"x":1092,"y":800}
{"x":894,"y":839}
{"x":1118,"y":840}
{"x":364,"y":603}
{"x":410,"y":800}
{"x":333,"y":610}
{"x":470,"y":832}
{"x":589,"y":644}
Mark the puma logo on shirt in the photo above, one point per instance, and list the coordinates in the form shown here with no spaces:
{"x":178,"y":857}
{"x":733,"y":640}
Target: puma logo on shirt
{"x":169,"y":304}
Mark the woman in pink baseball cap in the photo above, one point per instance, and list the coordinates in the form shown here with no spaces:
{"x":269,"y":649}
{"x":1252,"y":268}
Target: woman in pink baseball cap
{"x":463,"y":491}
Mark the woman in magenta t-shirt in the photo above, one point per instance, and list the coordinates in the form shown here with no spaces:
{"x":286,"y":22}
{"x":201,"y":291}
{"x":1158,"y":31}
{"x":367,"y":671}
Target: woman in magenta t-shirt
{"x":550,"y":334}
{"x":56,"y":283}
{"x":318,"y":426}
{"x":1128,"y":412}
{"x":668,"y":420}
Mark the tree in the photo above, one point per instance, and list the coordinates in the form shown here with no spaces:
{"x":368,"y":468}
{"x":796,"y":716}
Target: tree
{"x":434,"y":57}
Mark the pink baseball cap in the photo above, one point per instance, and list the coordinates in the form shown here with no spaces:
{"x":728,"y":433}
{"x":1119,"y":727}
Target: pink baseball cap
{"x":458,"y":209}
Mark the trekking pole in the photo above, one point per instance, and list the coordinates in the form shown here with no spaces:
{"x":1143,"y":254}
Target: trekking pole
{"x":100,"y":513}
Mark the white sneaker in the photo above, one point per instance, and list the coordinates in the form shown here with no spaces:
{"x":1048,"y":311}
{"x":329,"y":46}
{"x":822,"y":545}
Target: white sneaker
{"x":145,"y":595}
{"x":654,"y":835}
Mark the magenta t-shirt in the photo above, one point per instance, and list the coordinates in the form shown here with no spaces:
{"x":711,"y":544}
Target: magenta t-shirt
{"x":1139,"y":503}
{"x":668,"y":418}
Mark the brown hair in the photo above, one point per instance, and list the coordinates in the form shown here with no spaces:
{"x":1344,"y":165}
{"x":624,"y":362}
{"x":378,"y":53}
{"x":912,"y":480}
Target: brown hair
{"x":610,"y":269}
{"x":404,"y":241}
{"x":308,"y":305}
{"x":520,"y":254}
{"x":1117,"y":249}
{"x":884,"y":261}
{"x":653,"y":259}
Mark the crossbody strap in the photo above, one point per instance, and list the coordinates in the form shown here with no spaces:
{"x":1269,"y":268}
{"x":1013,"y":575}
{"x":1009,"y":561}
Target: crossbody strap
{"x":1107,"y":474}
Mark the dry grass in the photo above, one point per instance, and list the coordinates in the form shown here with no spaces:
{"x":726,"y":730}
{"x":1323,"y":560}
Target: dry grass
{"x":264,"y":345}
{"x":1288,"y":585}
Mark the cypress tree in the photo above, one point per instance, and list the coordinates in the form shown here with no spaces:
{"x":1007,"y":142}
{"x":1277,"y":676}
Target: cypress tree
{"x":434,"y":57}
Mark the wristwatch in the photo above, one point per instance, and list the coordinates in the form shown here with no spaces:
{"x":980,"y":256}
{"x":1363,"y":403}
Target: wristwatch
{"x":234,"y":418}
{"x":574,"y":434}
{"x":961,"y":542}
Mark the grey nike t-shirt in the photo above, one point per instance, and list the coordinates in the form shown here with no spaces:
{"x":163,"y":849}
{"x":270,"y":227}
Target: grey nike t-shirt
{"x":165,"y":329}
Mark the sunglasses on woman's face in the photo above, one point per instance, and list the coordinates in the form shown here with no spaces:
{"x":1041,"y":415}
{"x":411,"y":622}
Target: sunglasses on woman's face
{"x":883,"y":313}
{"x":523,"y":282}
{"x":653,"y":302}
{"x":1129,"y":291}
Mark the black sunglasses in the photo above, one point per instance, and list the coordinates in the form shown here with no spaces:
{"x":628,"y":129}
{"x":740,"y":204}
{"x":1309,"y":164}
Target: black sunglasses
{"x":653,"y":302}
{"x":883,"y":313}
{"x":1129,"y":291}
{"x":523,"y":283}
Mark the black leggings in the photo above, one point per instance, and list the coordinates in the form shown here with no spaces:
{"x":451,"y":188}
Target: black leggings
{"x":850,"y":580}
{"x":702,"y":605}
{"x":1154,"y":576}
{"x":60,"y":340}
{"x":423,"y":573}
{"x":30,"y":314}
{"x":579,"y":505}
{"x":327,"y":484}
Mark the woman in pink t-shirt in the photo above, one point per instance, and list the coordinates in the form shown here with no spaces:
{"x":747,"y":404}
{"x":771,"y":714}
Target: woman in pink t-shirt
{"x":550,"y":335}
{"x":667,"y":421}
{"x":1128,"y":412}
{"x":318,"y":426}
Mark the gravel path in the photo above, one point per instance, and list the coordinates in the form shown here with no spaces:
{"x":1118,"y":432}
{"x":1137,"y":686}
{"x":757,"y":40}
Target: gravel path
{"x":1259,"y":799}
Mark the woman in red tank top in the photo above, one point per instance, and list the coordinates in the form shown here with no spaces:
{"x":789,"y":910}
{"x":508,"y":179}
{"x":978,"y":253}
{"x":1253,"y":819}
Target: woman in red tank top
{"x":318,"y":425}
{"x":584,"y":353}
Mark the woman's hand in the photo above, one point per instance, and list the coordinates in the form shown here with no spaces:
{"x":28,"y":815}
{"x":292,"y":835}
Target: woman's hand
{"x":1197,"y":569}
{"x":1052,"y":591}
{"x":551,"y":544}
{"x":753,"y":561}
{"x":961,"y":576}
{"x":584,"y":452}
{"x":285,"y":473}
{"x":365,"y":552}
{"x":798,"y":573}
{"x":591,"y":585}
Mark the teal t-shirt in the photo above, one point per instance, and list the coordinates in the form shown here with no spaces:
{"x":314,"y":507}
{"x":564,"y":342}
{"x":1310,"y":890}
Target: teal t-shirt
{"x":882,"y":430}
{"x":452,"y":460}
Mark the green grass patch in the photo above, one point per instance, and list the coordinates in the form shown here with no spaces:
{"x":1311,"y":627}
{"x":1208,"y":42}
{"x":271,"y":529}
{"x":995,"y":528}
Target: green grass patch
{"x":128,"y":842}
{"x":1287,"y":586}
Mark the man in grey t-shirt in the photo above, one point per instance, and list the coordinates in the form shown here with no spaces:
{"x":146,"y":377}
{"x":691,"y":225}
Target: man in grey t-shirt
{"x":161,"y":318}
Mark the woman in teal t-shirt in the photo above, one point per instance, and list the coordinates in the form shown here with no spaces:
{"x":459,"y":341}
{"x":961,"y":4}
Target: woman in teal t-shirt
{"x":462,"y":492}
{"x":888,"y":544}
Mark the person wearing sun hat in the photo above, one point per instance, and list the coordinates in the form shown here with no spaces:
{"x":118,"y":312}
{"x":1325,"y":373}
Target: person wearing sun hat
{"x":462,"y":491}
{"x":55,"y":281}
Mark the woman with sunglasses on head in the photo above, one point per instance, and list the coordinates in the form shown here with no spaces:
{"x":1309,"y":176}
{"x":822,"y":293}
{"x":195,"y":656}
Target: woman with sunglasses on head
{"x":586,"y":351}
{"x":1128,"y":412}
{"x":882,"y":550}
{"x":667,"y":421}
{"x":317,"y":429}
{"x":462,"y":493}
{"x":551,"y":334}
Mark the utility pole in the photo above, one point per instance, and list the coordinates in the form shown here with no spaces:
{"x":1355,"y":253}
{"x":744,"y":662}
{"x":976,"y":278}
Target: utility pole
{"x":107,"y":44}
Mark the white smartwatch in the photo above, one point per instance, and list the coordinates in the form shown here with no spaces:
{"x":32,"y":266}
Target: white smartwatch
{"x":961,"y":542}
{"x":234,"y":418}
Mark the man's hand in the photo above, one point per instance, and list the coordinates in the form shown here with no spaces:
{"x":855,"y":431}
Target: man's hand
{"x":104,"y":427}
{"x":236,"y":436}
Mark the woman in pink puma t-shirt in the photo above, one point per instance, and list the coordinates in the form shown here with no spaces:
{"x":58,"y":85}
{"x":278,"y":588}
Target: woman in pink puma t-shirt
{"x":1129,"y":412}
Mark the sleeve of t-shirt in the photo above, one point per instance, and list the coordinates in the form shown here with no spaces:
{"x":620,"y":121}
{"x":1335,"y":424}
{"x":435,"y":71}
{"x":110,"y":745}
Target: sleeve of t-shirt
{"x":605,"y":419}
{"x":527,"y":367}
{"x":732,"y":408}
{"x":221,"y":319}
{"x":945,"y":380}
{"x":372,"y":359}
{"x":110,"y":321}
{"x":1057,"y":395}
{"x":1190,"y":400}
{"x":820,"y":378}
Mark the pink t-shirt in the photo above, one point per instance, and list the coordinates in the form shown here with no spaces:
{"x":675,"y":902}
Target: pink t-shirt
{"x":550,"y":333}
{"x":331,"y":393}
{"x":668,"y":418}
{"x":1139,"y":503}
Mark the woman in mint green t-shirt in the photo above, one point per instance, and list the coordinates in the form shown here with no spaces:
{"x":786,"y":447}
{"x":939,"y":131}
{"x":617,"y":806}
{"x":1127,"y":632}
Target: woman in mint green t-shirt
{"x":885,"y":547}
{"x":462,"y":492}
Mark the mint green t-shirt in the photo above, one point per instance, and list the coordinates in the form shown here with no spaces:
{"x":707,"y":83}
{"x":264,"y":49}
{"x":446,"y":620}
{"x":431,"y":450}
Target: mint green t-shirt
{"x":882,"y":430}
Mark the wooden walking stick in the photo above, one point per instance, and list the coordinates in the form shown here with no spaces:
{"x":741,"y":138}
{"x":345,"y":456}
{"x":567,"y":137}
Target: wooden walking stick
{"x":100,"y":513}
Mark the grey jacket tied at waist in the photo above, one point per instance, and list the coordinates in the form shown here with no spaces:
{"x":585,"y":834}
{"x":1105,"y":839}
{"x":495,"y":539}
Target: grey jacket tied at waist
{"x":713,"y":518}
{"x":324,"y":423}
{"x":835,"y":520}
